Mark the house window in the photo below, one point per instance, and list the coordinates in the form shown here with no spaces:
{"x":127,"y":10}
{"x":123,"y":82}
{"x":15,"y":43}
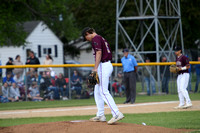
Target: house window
{"x":48,"y":50}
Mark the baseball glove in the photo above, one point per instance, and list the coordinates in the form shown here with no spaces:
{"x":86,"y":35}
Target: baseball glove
{"x":93,"y":79}
{"x":173,"y":69}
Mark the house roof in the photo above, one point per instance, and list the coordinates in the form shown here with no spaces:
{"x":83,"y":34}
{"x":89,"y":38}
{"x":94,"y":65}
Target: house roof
{"x":78,"y":43}
{"x":30,"y":26}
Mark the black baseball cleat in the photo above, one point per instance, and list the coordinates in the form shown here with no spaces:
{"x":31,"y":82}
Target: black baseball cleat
{"x":126,"y":102}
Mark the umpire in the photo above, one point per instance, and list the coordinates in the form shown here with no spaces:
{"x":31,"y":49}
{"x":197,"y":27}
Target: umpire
{"x":129,"y":68}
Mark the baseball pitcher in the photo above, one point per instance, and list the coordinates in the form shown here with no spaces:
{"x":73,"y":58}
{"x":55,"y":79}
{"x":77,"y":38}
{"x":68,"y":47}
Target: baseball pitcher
{"x":104,"y":68}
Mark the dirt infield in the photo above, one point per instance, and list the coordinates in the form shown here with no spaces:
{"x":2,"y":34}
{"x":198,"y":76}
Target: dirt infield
{"x":87,"y":127}
{"x":91,"y":127}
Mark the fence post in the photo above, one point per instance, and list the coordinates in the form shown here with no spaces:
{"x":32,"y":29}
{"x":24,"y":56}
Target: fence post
{"x":26,"y":84}
{"x":69,"y":82}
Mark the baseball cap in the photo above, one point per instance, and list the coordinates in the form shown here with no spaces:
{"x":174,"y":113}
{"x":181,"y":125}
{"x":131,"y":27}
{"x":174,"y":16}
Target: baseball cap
{"x":125,"y":50}
{"x":147,"y":58}
{"x":177,"y":48}
{"x":84,"y":31}
{"x":120,"y":72}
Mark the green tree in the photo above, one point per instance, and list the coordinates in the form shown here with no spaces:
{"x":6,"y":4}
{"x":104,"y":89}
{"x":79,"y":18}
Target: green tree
{"x":54,"y":13}
{"x":190,"y":21}
{"x":99,"y":15}
{"x":68,"y":17}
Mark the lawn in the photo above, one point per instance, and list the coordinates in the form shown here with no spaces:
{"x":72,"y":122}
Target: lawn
{"x":87,"y":102}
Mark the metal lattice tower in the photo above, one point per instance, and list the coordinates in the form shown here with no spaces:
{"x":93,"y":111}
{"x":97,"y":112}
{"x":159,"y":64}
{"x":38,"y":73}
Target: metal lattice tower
{"x":158,"y":22}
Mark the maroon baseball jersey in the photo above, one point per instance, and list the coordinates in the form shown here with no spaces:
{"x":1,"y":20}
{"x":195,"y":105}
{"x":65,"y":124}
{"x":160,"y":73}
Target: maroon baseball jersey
{"x":181,"y":62}
{"x":99,"y":43}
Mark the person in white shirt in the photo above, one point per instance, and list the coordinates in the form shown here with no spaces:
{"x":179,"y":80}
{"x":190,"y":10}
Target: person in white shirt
{"x":48,"y":61}
{"x":18,"y":62}
{"x":6,"y":92}
{"x":34,"y":94}
{"x":14,"y":92}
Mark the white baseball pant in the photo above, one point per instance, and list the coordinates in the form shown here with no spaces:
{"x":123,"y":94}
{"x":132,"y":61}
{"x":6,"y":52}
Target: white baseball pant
{"x":182,"y":83}
{"x":101,"y":92}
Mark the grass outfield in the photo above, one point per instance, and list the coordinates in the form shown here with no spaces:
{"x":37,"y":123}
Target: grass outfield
{"x":184,"y":119}
{"x":87,"y":102}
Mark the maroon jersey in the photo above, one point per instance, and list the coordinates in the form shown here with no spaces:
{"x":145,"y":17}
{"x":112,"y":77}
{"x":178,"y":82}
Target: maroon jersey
{"x":181,"y":62}
{"x":99,"y":43}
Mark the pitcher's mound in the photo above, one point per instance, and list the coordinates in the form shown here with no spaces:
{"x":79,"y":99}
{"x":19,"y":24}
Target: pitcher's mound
{"x":82,"y":126}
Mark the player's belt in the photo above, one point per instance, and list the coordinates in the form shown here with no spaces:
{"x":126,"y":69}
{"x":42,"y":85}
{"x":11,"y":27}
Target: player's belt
{"x":105,"y":61}
{"x":129,"y":72}
{"x":182,"y":73}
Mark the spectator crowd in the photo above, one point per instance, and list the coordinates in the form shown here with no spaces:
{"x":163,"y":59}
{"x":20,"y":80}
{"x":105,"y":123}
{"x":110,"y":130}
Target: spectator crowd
{"x":45,"y":85}
{"x":34,"y":85}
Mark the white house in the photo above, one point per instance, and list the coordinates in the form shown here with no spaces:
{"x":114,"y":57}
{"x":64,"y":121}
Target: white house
{"x":41,"y":40}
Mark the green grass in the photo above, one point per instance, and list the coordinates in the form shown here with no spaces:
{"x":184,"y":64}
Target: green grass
{"x":46,"y":104}
{"x":172,"y":86}
{"x":185,"y":119}
{"x":87,"y":102}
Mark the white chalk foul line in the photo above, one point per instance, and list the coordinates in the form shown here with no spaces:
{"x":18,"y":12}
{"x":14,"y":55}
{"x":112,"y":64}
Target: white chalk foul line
{"x":86,"y":108}
{"x":145,"y":104}
{"x":16,"y":112}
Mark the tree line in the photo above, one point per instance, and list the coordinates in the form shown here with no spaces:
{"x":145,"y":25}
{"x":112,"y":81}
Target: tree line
{"x":68,"y":17}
